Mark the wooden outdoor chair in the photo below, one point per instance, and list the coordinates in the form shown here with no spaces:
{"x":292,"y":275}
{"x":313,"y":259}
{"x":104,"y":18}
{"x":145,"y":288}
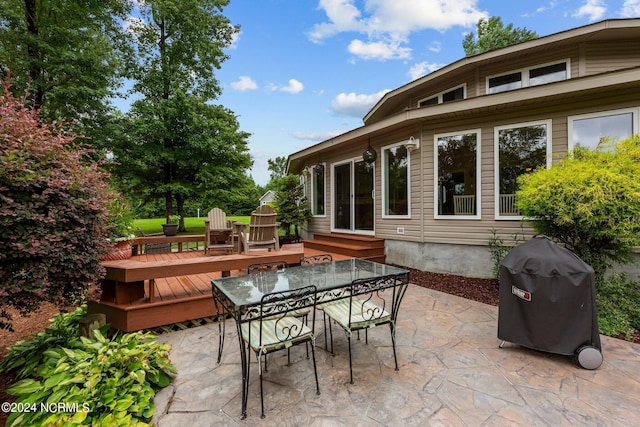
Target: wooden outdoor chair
{"x":263,"y":230}
{"x":218,"y":232}
{"x":269,"y":327}
{"x":464,"y":205}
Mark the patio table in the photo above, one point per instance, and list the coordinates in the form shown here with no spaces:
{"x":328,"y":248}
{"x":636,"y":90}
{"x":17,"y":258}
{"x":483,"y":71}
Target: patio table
{"x":238,"y":294}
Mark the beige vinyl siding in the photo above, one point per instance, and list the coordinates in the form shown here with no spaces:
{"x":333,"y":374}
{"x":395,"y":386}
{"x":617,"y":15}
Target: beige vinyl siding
{"x":604,"y":57}
{"x":587,"y":58}
{"x":388,"y":227}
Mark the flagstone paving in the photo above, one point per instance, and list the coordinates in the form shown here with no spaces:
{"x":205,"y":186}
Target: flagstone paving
{"x":452,"y":373}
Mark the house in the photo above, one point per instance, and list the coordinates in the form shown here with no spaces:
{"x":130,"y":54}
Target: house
{"x":433,"y":169}
{"x":267,"y":197}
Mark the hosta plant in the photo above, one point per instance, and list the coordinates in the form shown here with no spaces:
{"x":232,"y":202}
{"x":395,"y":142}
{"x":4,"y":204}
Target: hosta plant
{"x":106,"y":382}
{"x":24,"y":357}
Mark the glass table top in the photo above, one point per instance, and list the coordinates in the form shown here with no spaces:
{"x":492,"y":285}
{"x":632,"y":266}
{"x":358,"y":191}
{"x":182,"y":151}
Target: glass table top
{"x":247,"y":290}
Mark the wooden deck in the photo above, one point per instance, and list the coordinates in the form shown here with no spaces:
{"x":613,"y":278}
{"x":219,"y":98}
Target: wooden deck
{"x":148,"y":291}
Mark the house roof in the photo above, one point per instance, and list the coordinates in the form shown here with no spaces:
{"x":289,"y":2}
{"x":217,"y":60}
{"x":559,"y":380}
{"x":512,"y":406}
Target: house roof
{"x":381,"y":118}
{"x":600,"y":31}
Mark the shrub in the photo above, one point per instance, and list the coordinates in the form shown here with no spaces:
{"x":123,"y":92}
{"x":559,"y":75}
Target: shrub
{"x":24,"y":357}
{"x":618,"y":304}
{"x":103,"y":382}
{"x":590,"y":202}
{"x":53,"y":205}
{"x":498,"y":250}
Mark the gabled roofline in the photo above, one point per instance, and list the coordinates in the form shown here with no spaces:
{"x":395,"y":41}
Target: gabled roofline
{"x":505,"y":51}
{"x":544,"y":93}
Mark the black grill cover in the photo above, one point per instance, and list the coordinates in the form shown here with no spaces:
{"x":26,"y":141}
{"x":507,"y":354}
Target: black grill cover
{"x":547,"y":298}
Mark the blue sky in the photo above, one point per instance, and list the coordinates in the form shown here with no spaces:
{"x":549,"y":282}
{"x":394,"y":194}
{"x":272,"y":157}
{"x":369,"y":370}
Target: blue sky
{"x":302,"y":71}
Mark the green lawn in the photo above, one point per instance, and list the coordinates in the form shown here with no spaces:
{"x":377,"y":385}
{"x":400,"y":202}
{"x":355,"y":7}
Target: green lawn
{"x":193,"y":225}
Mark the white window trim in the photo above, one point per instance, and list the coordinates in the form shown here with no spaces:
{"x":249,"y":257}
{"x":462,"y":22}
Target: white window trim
{"x":524,"y":74}
{"x":352,"y":161}
{"x":439,"y":95}
{"x":384,"y":183}
{"x":635,"y":121}
{"x":478,"y":194}
{"x":496,"y":153}
{"x":313,"y":191}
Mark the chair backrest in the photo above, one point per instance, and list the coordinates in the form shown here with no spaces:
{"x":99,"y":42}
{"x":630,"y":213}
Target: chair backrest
{"x":266,"y":266}
{"x":509,"y":205}
{"x":141,"y":231}
{"x":377,"y":297}
{"x":315,"y":259}
{"x":273,"y":313}
{"x":464,"y":205}
{"x":217,"y":219}
{"x":263,"y":226}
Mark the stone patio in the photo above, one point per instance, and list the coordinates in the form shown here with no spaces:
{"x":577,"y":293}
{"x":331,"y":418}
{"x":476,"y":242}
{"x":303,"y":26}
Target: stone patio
{"x":452,"y":373}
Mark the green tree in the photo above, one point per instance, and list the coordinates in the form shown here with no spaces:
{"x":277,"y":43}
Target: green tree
{"x":291,"y":205}
{"x":69,"y":54}
{"x":590,"y":202}
{"x":181,"y":144}
{"x":54,"y":204}
{"x":491,"y":34}
{"x":277,"y":167}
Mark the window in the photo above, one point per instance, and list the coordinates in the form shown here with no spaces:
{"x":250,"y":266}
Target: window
{"x":452,"y":95}
{"x":590,"y":130}
{"x":395,"y":170}
{"x":520,"y":149}
{"x":317,"y":190}
{"x":529,"y":77}
{"x":506,"y":82}
{"x":457,"y":175}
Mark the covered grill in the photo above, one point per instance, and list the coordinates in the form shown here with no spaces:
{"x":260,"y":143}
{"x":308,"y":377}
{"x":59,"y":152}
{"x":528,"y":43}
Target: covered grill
{"x":547,"y":302}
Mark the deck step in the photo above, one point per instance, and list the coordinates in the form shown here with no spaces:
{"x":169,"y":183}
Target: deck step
{"x":352,"y":245}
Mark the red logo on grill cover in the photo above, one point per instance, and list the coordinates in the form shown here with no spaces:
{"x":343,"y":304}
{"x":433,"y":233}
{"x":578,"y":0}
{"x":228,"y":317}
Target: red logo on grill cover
{"x":520,"y":293}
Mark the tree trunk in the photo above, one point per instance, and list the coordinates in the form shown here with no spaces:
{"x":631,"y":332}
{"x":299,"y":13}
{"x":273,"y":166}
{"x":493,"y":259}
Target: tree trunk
{"x":30,"y":10}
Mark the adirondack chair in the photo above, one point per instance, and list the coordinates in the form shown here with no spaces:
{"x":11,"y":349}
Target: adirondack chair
{"x":263,"y":230}
{"x":218,"y":232}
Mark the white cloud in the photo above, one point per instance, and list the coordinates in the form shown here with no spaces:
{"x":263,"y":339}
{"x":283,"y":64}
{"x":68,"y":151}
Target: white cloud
{"x":630,"y":9}
{"x":379,"y":50}
{"x":244,"y":83}
{"x":355,"y":105}
{"x":388,"y":24}
{"x":294,"y":87}
{"x":315,"y":136}
{"x":422,"y":69}
{"x":593,"y":9}
{"x":235,"y":39}
{"x":435,"y":47}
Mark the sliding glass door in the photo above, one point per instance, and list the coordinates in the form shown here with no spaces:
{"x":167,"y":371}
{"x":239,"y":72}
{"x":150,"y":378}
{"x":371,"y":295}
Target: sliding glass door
{"x":353,"y":197}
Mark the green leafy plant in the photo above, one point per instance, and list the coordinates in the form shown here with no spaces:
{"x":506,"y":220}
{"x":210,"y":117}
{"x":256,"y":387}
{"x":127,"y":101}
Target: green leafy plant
{"x":120,"y":219}
{"x":498,"y":249}
{"x":589,"y":202}
{"x":24,"y":357}
{"x":53,"y":210}
{"x":174,"y":219}
{"x":99,"y":382}
{"x":618,"y":304}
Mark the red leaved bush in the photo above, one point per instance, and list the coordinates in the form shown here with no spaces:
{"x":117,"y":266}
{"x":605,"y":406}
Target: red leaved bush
{"x":53,"y":207}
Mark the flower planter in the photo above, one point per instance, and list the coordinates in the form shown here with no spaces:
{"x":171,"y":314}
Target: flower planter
{"x":121,"y":250}
{"x":169,"y":229}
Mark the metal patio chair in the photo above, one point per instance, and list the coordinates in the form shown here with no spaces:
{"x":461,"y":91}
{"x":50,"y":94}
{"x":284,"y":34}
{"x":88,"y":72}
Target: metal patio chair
{"x":371,"y":302}
{"x":269,"y":327}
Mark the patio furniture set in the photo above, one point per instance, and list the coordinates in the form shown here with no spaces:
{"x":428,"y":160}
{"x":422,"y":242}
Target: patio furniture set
{"x":274,"y":307}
